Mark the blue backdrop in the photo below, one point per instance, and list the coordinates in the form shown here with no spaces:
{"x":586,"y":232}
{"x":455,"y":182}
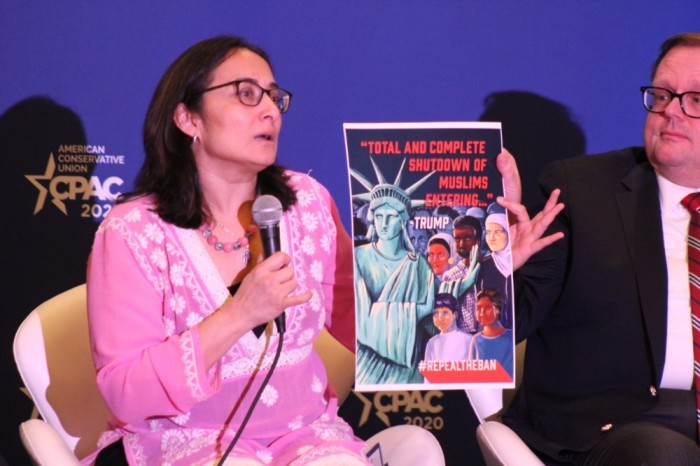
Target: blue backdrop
{"x":76,"y":78}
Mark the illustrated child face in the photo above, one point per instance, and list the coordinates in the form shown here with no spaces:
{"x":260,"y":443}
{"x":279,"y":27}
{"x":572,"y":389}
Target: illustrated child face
{"x":486,"y":312}
{"x":443,"y":317}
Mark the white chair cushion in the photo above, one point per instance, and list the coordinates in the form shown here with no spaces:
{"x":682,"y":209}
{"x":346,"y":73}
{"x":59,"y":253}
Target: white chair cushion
{"x":45,"y":445}
{"x":408,"y":445}
{"x":501,"y":446}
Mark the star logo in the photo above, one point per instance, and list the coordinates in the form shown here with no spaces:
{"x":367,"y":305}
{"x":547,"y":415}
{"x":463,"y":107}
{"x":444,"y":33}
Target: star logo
{"x":367,"y":409}
{"x":37,"y":181}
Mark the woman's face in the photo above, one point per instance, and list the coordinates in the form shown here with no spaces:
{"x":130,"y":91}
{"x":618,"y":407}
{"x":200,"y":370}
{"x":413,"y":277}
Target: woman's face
{"x":496,"y":237}
{"x":230,"y":132}
{"x":438,"y":258}
{"x":486,"y":313}
{"x":387,"y":222}
{"x":443,"y":317}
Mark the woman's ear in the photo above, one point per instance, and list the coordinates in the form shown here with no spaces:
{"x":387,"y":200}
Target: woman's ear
{"x":185,"y":121}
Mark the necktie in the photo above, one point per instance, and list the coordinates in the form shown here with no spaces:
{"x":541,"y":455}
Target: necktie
{"x":692,"y":203}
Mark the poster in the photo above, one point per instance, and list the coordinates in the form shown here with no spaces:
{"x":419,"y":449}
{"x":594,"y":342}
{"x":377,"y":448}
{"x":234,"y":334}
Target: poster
{"x":433,"y":272}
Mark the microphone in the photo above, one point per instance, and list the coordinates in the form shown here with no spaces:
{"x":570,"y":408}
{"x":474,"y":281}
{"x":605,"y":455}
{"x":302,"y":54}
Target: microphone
{"x":267,"y":213}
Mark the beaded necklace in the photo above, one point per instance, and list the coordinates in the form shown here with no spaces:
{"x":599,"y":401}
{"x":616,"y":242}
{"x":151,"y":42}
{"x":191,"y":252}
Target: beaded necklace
{"x":243,"y":241}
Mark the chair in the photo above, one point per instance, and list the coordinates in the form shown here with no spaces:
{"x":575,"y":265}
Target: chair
{"x":400,"y":445}
{"x":53,"y":357}
{"x":499,"y":445}
{"x":52,"y":352}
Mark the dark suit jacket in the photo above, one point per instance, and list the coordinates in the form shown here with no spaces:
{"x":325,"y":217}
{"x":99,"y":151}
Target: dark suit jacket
{"x":593,"y":305}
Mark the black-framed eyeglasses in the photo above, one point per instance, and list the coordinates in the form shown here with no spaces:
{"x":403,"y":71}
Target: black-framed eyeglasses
{"x":656,"y":99}
{"x":251,"y":93}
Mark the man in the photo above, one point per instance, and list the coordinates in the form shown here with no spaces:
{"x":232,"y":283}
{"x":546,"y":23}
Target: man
{"x":466,"y":231}
{"x":606,"y":310}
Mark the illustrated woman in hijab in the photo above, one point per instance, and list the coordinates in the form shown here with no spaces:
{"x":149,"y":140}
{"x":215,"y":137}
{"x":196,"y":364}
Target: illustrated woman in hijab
{"x":441,"y":253}
{"x":497,"y":268}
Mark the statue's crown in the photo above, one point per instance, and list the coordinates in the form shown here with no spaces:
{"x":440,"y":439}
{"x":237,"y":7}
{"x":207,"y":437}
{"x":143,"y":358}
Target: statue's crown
{"x":393,"y":191}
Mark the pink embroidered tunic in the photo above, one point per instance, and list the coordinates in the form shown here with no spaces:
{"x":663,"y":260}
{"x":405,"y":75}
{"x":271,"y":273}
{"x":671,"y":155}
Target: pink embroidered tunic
{"x":150,"y":283}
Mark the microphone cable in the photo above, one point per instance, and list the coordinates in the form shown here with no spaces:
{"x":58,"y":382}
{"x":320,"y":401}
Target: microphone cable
{"x":267,"y":213}
{"x":233,"y":442}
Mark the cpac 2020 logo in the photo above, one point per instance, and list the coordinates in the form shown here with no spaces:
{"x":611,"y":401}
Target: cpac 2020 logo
{"x":416,"y":407}
{"x":96,"y":195}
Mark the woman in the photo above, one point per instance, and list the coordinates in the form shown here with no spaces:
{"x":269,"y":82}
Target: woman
{"x":176,"y":281}
{"x":441,"y":253}
{"x":493,"y":341}
{"x":497,"y":268}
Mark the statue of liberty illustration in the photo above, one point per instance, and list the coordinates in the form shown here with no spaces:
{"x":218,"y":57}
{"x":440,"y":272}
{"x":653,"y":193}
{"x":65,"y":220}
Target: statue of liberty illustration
{"x":394,"y":285}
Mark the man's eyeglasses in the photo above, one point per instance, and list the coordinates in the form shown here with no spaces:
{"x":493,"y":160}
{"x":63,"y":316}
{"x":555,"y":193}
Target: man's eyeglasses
{"x":656,"y":99}
{"x":251,"y":93}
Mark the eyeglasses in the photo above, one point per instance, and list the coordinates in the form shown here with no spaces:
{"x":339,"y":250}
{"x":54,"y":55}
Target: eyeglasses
{"x":656,"y":99}
{"x":251,"y":93}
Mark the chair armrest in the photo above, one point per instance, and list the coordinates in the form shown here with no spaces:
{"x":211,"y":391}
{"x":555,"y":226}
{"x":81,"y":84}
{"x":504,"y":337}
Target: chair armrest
{"x":408,"y":445}
{"x":44,"y":445}
{"x":501,"y":446}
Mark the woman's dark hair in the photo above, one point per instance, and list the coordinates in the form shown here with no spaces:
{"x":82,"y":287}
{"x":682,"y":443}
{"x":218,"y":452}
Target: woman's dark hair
{"x":691,"y":39}
{"x":169,"y":172}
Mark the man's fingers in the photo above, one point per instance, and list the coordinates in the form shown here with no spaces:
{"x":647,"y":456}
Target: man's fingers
{"x":508,"y":168}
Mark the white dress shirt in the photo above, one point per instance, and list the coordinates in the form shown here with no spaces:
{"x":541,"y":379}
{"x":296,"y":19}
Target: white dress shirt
{"x":678,"y":367}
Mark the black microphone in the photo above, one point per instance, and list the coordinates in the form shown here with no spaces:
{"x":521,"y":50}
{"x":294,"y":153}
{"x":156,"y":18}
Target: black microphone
{"x":267,"y":213}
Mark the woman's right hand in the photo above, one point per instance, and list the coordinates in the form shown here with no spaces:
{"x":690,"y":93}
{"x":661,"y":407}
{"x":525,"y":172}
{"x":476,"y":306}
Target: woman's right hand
{"x":266,"y":292}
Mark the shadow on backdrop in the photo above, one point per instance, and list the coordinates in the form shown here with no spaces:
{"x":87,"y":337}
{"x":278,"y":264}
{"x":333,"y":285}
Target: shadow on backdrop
{"x":536,"y":130}
{"x":45,"y":250}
